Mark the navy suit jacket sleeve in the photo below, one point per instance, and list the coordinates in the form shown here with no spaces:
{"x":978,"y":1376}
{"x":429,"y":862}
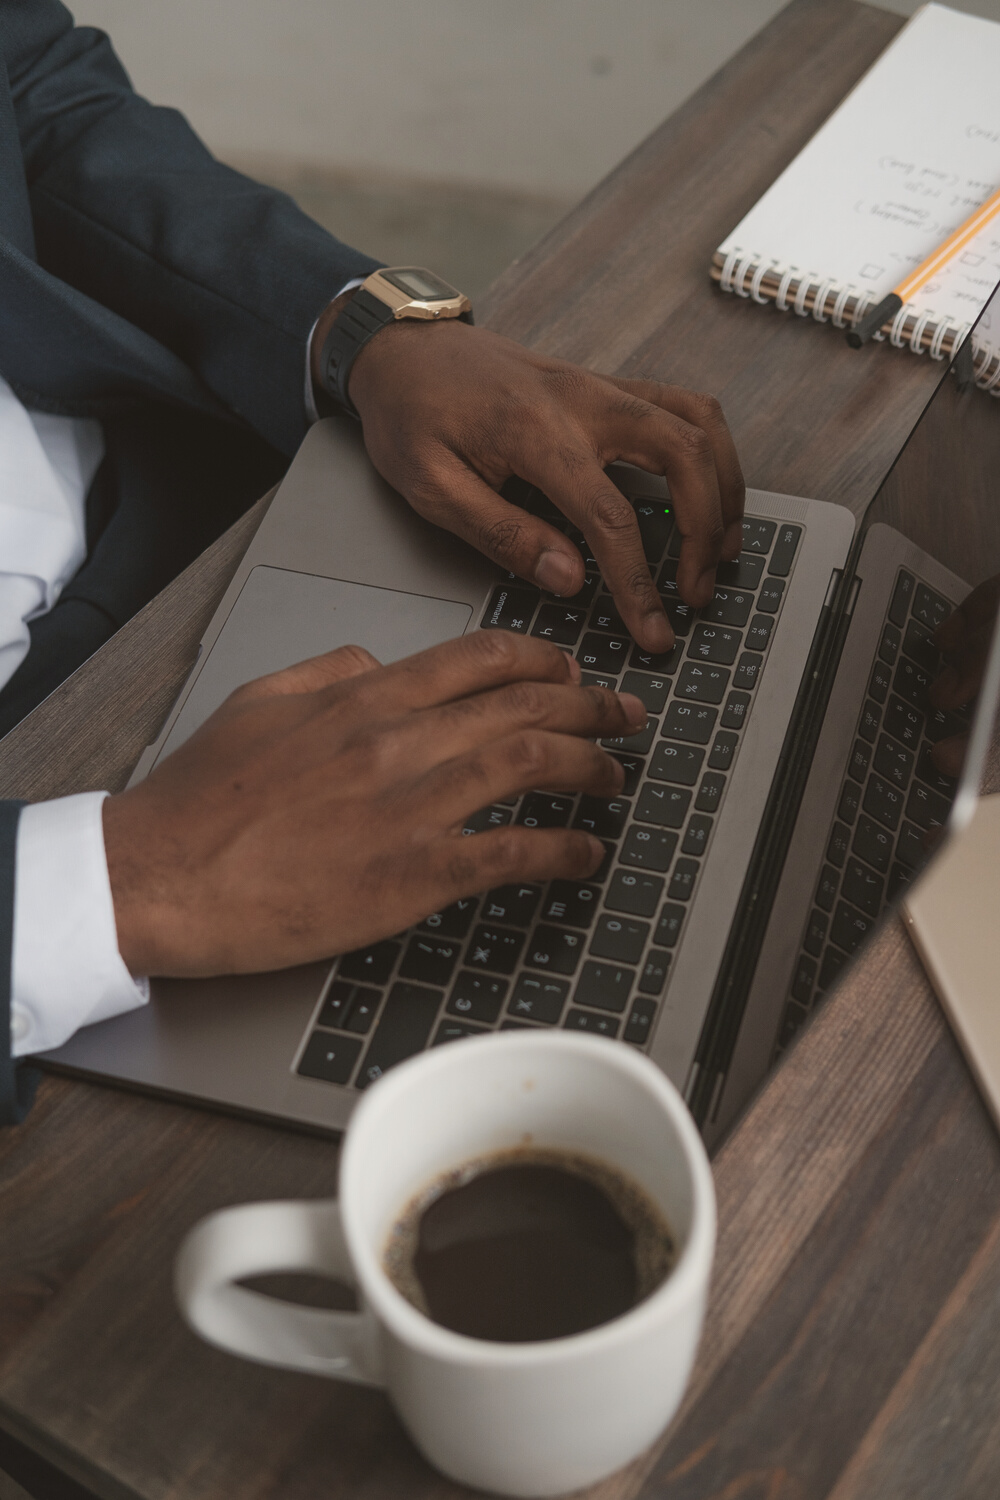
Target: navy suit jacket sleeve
{"x":17,"y":1085}
{"x":132,"y":209}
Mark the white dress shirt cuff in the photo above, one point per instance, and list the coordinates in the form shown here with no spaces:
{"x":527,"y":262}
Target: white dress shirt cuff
{"x":312,"y":415}
{"x":66,"y":970}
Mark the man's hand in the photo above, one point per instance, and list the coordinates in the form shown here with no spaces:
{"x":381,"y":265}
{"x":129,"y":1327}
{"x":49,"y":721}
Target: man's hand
{"x":450,"y":412}
{"x":321,"y":808}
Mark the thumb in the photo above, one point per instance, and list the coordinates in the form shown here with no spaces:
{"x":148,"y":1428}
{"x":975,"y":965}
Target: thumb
{"x":312,"y":675}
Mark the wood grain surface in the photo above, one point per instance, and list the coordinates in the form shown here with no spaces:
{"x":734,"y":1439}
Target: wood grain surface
{"x":848,"y":1347}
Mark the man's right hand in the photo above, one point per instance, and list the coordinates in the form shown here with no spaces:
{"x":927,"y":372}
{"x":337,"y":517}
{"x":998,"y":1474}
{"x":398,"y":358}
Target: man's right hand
{"x":321,"y":808}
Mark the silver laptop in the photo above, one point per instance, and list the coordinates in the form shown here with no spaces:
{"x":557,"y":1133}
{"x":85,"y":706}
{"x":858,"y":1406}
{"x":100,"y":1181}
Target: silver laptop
{"x":777,"y":802}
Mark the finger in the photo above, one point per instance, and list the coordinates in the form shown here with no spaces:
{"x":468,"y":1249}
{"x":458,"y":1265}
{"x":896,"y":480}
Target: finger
{"x":473,"y":663}
{"x":574,"y":480}
{"x":960,"y":679}
{"x":588,"y":712}
{"x":461,"y":501}
{"x":452,"y":791}
{"x":705,"y":412}
{"x":504,"y":856}
{"x":949,"y":755}
{"x":310,"y":676}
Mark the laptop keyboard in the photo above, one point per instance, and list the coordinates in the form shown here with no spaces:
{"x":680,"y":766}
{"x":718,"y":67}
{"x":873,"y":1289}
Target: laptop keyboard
{"x":891,"y":799}
{"x":592,"y":955}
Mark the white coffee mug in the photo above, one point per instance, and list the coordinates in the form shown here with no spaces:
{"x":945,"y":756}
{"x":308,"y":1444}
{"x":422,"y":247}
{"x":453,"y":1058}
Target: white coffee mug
{"x":519,"y":1419}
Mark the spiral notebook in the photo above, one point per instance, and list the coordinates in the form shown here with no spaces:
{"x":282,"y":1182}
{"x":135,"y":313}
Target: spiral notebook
{"x":896,"y":169}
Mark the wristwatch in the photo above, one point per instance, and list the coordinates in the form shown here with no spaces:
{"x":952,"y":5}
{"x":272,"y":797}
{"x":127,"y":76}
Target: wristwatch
{"x":394,"y":292}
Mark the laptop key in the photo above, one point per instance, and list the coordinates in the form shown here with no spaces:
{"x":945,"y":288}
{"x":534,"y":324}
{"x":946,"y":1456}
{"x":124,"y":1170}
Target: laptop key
{"x":363,"y":1011}
{"x":918,"y":645}
{"x":634,"y":744}
{"x":728,"y":607}
{"x":724,"y":750}
{"x":901,"y":596}
{"x":941,"y":726}
{"x":714,"y":643}
{"x":538,"y":999}
{"x":651,"y":691}
{"x":883,"y":801}
{"x":829,"y":885}
{"x":697,"y":835}
{"x":759,"y":632}
{"x":701,"y":684}
{"x":593,"y":679}
{"x":605,"y":616}
{"x":683,"y":879}
{"x":486,"y":818}
{"x":899,"y":879}
{"x":833,"y":962}
{"x":689,"y":722}
{"x":710,"y":792}
{"x":881,"y":680}
{"x":477,"y":997}
{"x":857,"y":766}
{"x":668,"y":928}
{"x":514,"y":904}
{"x":744,"y":572}
{"x":573,"y":902}
{"x":455,"y":1031}
{"x":871,"y":717}
{"x":805,"y":978}
{"x":648,"y":848}
{"x":373,"y":964}
{"x":929,"y":608}
{"x":849,"y":927}
{"x":340,"y":998}
{"x":555,"y":950}
{"x":655,"y":526}
{"x":640,"y":1022}
{"x":634,"y":893}
{"x":815,"y":936}
{"x":747,"y":670}
{"x":602,"y":816}
{"x":454,"y":920}
{"x":560,"y":623}
{"x":911,"y":683}
{"x":677,"y":763}
{"x":664,"y":805}
{"x":543,"y":810}
{"x":584,"y":1020}
{"x":784,"y":551}
{"x":510,"y":609}
{"x":873,"y":844}
{"x":653,"y":974}
{"x":888,"y":648}
{"x":494,"y":948}
{"x":429,"y":960}
{"x":926,"y":808}
{"x":863,"y":887}
{"x":893,"y":761}
{"x":603,"y":653}
{"x":850,"y":801}
{"x":329,"y":1058}
{"x":769,"y":598}
{"x":619,"y":938}
{"x":604,"y":986}
{"x":840,"y":840}
{"x":910,"y":847}
{"x":735,"y":712}
{"x":758,"y":535}
{"x":633,"y":766}
{"x":903,"y":723}
{"x":929,"y":774}
{"x":403,"y":1029}
{"x":680,"y":616}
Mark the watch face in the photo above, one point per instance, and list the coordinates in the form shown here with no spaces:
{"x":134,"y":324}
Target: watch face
{"x":422,"y":285}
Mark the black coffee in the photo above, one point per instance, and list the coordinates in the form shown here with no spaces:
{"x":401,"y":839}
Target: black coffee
{"x":527,"y":1245}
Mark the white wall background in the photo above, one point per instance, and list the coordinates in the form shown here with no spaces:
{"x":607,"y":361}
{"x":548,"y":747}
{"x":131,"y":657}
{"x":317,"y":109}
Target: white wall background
{"x":539,"y":96}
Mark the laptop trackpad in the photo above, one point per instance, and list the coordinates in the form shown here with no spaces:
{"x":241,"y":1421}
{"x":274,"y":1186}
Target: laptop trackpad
{"x":282,"y":617}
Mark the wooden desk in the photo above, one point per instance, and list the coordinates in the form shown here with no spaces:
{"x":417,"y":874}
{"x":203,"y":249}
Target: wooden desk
{"x":848,"y":1350}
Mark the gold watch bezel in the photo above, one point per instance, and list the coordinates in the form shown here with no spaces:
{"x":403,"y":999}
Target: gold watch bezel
{"x":412,"y":307}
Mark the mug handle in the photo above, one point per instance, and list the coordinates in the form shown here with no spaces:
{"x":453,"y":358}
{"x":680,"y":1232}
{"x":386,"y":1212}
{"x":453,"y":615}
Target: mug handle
{"x":251,"y":1240}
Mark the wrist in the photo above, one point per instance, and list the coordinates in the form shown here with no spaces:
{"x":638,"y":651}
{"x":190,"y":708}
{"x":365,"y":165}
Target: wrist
{"x":324,"y":323}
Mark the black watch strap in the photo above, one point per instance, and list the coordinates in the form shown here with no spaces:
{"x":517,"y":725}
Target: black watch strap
{"x":363,"y":316}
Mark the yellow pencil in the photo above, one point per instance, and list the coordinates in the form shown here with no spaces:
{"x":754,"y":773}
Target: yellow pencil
{"x":928,"y":268}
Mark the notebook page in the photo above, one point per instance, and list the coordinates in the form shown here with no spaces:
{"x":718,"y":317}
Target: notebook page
{"x":904,"y":160}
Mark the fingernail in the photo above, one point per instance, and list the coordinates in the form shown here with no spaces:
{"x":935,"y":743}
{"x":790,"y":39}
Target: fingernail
{"x":635,"y":709}
{"x":598,"y":851}
{"x":657,"y":632}
{"x":555,"y":573}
